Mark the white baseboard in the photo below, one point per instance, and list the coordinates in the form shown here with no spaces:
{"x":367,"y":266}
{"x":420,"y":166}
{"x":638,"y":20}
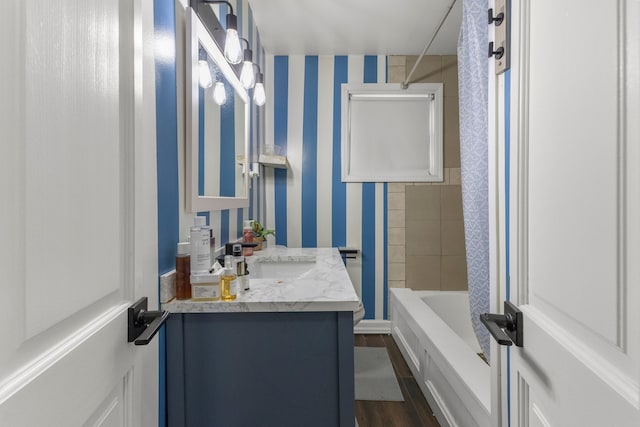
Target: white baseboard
{"x":373,"y":327}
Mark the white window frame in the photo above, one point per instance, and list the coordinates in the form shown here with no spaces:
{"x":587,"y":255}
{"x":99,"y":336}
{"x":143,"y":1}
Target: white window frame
{"x":433,"y":169}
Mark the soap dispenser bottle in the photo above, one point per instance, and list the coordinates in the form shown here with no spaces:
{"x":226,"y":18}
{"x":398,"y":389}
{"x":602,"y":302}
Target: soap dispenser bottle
{"x":228,"y":281}
{"x":241,"y":268}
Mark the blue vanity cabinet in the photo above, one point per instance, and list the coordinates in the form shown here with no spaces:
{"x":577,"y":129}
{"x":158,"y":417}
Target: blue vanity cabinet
{"x":260,"y":369}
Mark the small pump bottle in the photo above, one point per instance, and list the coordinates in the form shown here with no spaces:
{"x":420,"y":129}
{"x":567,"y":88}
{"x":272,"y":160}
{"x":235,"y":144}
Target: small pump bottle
{"x":228,"y":281}
{"x":247,"y":237}
{"x":183,"y":271}
{"x":241,"y":268}
{"x":200,"y":239}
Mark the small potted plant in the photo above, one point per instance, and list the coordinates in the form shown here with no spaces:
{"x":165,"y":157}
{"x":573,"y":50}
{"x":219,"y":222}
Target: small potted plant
{"x":260,"y":234}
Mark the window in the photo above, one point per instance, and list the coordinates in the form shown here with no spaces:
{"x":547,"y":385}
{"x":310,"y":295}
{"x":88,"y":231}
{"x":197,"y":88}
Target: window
{"x":391,"y":134}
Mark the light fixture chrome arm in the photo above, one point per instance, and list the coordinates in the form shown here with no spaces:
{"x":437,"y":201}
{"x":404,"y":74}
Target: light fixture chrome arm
{"x":219,"y":2}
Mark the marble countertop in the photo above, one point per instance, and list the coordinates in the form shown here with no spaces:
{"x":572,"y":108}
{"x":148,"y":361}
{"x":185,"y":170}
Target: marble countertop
{"x":324,"y":286}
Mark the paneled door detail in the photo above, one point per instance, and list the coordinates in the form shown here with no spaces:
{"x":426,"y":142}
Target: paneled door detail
{"x":77,"y":212}
{"x":575,"y":209}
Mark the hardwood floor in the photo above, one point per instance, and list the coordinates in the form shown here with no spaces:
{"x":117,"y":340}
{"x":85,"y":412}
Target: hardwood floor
{"x":413,"y":412}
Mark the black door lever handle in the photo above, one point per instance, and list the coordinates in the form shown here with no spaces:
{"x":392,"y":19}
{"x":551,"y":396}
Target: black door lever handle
{"x":493,"y":323}
{"x":143,"y":324}
{"x":505,"y":328}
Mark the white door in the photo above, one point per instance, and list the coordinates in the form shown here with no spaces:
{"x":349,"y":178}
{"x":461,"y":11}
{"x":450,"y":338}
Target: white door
{"x":575,"y":212}
{"x":77,"y":212}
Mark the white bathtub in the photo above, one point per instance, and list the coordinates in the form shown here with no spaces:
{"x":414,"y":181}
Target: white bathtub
{"x":434,"y":333}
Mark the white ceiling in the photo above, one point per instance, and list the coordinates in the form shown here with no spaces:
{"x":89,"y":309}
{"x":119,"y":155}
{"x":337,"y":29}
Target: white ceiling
{"x":369,"y":27}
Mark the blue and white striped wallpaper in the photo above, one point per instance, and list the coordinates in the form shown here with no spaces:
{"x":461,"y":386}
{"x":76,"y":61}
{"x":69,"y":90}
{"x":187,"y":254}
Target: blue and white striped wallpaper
{"x":307,"y":204}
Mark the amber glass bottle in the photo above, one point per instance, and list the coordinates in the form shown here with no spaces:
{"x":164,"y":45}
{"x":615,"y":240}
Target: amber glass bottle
{"x":183,"y":272}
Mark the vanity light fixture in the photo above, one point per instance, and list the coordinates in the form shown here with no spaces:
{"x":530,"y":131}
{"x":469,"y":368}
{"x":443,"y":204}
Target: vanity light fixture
{"x":204,"y":74}
{"x":219,"y":93}
{"x":259,"y":95}
{"x":247,"y":76}
{"x":232,"y":47}
{"x":234,"y":54}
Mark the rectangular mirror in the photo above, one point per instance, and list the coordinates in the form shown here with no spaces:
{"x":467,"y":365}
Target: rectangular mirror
{"x":217,"y":122}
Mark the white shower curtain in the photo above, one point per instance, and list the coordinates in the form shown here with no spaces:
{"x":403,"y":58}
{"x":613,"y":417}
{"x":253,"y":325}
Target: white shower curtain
{"x":472,"y":84}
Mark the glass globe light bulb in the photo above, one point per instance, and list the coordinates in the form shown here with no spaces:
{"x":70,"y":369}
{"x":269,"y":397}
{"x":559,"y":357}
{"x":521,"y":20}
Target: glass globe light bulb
{"x":247,"y":77}
{"x":204,"y":74}
{"x":259,"y":95}
{"x":232,"y":47}
{"x":219,"y":93}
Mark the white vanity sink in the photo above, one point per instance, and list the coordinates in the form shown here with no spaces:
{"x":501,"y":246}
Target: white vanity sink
{"x":290,"y":269}
{"x":286,"y":280}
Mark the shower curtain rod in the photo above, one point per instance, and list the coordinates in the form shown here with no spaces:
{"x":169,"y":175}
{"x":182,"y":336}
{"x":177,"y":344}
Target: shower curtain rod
{"x":405,"y":84}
